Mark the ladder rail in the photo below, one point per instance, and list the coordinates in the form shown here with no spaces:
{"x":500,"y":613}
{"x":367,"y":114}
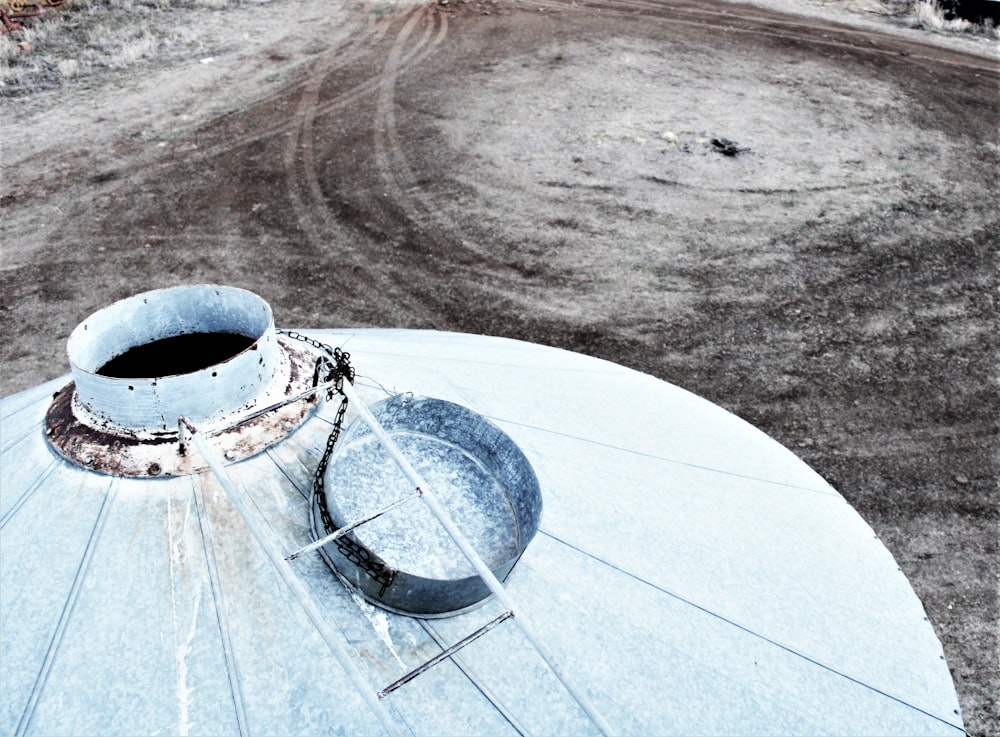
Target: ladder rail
{"x":484,"y":571}
{"x":427,"y":494}
{"x":290,"y":579}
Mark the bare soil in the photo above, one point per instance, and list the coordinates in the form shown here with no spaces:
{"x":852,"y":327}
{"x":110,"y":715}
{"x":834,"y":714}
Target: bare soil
{"x":793,"y":216}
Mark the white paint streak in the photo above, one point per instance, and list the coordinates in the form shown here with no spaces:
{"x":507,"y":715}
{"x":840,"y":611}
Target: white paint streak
{"x":379,"y":623}
{"x":182,"y":650}
{"x":183,"y":690}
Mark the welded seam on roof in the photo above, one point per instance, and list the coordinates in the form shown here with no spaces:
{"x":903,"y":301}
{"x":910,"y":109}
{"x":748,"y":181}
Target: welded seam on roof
{"x":19,"y":407}
{"x":474,"y":679}
{"x":826,"y":492}
{"x":283,"y":468}
{"x":754,"y":633}
{"x":28,"y":432}
{"x":28,"y":493}
{"x":67,"y":610}
{"x":215,"y":586}
{"x":29,"y":398}
{"x":507,"y":344}
{"x":609,"y":368}
{"x":833,"y":493}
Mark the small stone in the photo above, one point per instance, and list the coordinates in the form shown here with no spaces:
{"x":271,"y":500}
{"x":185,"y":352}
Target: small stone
{"x":961,"y":479}
{"x":726,"y":147}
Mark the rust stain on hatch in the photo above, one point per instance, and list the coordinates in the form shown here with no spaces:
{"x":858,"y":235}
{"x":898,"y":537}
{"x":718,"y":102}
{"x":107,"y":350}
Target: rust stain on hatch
{"x":116,"y":451}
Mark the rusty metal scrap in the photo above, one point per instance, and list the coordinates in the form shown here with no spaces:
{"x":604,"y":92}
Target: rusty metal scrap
{"x":15,"y":11}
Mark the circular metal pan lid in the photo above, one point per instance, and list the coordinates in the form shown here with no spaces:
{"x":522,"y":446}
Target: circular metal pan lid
{"x":404,"y":560}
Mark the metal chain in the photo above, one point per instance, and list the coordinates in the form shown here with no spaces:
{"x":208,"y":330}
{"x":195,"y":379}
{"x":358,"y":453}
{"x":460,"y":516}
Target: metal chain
{"x":335,"y":367}
{"x":336,"y":361}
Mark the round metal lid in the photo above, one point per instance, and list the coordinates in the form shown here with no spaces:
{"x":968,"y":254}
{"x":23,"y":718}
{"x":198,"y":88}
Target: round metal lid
{"x":406,"y":561}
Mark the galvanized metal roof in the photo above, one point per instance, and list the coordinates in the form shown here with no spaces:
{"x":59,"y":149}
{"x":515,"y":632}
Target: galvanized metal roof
{"x":692,"y":575}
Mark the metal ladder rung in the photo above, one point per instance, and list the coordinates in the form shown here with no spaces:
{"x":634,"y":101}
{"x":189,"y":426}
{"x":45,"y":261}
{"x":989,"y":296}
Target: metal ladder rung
{"x":347,"y":528}
{"x":444,"y":654}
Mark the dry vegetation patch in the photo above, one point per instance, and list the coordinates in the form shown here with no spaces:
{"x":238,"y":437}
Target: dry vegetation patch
{"x":85,"y":37}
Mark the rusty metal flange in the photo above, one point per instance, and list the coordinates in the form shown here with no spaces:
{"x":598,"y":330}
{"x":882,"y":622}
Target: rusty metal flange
{"x":121,"y":454}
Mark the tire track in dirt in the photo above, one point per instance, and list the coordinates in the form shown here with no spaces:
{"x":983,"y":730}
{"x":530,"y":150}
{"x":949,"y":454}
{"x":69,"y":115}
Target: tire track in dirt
{"x":302,"y":184}
{"x":398,"y":176}
{"x":360,"y":44}
{"x":310,"y":204}
{"x":365,"y":33}
{"x":478,"y":268}
{"x":70,"y":186}
{"x":763,"y":23}
{"x":444,"y":235}
{"x":769,"y":191}
{"x":389,"y":158}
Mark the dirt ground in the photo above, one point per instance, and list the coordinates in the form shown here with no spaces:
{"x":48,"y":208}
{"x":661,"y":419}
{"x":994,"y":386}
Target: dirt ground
{"x":793,"y":216}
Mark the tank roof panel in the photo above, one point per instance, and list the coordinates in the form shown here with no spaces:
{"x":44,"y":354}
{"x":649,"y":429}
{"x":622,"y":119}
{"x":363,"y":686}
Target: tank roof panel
{"x":693,"y":575}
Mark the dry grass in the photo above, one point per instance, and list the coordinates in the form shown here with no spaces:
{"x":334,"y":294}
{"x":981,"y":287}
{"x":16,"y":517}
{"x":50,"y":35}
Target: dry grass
{"x":88,"y":36}
{"x":84,"y":37}
{"x":929,"y":15}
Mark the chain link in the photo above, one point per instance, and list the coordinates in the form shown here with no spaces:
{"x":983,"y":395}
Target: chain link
{"x":336,"y":367}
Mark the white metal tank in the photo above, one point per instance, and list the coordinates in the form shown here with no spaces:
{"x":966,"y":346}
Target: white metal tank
{"x":666,"y":568}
